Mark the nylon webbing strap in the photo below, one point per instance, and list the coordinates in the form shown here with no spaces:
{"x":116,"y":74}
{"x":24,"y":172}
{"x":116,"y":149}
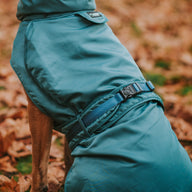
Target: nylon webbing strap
{"x":124,"y":94}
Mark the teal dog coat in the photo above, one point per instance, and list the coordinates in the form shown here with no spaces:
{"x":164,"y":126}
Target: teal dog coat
{"x":75,"y":70}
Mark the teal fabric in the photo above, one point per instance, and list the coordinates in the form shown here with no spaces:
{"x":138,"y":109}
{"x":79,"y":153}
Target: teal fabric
{"x":139,"y":153}
{"x":34,"y":7}
{"x":65,"y":70}
{"x":69,"y":62}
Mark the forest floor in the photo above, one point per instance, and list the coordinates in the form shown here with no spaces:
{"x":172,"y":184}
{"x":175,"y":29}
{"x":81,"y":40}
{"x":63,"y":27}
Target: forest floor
{"x":158,"y":36}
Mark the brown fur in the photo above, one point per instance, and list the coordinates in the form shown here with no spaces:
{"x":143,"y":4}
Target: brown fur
{"x":41,"y":132}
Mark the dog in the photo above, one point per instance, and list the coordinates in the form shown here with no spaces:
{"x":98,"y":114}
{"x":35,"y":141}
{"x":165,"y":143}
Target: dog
{"x":81,"y":81}
{"x":41,"y":131}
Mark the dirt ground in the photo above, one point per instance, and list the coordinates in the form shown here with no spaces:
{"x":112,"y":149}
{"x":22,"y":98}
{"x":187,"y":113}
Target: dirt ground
{"x":158,"y":36}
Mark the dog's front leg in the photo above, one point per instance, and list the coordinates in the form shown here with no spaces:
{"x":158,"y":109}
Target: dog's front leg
{"x":41,"y":133}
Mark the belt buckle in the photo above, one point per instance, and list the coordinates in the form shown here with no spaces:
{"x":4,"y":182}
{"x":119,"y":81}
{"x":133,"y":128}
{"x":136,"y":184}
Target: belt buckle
{"x":130,"y":90}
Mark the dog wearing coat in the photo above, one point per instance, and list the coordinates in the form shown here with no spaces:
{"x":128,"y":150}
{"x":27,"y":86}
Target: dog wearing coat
{"x":81,"y":81}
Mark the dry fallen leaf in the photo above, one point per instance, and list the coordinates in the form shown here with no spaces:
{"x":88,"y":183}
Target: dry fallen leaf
{"x":22,"y":130}
{"x":4,"y":180}
{"x":56,"y":151}
{"x":18,"y":149}
{"x":5,"y":72}
{"x":16,"y":114}
{"x":182,"y":128}
{"x":24,"y":183}
{"x":186,"y":58}
{"x":7,"y":135}
{"x":6,"y":165}
{"x":55,"y":175}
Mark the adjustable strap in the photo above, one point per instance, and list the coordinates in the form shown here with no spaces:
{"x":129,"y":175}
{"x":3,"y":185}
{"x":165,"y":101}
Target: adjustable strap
{"x":124,"y":94}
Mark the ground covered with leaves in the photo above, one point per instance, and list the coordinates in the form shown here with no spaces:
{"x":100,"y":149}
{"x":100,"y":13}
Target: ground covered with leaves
{"x":158,"y":36}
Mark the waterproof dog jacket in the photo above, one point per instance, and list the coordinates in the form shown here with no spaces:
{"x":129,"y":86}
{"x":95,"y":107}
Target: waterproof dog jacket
{"x":70,"y":64}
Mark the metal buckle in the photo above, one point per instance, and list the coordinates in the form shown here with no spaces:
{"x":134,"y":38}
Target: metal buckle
{"x":130,"y":90}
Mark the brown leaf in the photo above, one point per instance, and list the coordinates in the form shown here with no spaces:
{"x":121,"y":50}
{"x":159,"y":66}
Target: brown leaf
{"x":4,"y":180}
{"x":24,"y":183}
{"x":7,"y":135}
{"x":4,"y":159}
{"x":54,"y":185}
{"x":56,"y":168}
{"x":55,"y":175}
{"x":7,"y":97}
{"x":181,"y":128}
{"x":22,"y":129}
{"x":16,"y":113}
{"x":8,"y":185}
{"x":5,"y":72}
{"x":56,"y":151}
{"x":18,"y":149}
{"x":189,"y":150}
{"x":186,"y":58}
{"x":5,"y":165}
{"x":21,"y":101}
